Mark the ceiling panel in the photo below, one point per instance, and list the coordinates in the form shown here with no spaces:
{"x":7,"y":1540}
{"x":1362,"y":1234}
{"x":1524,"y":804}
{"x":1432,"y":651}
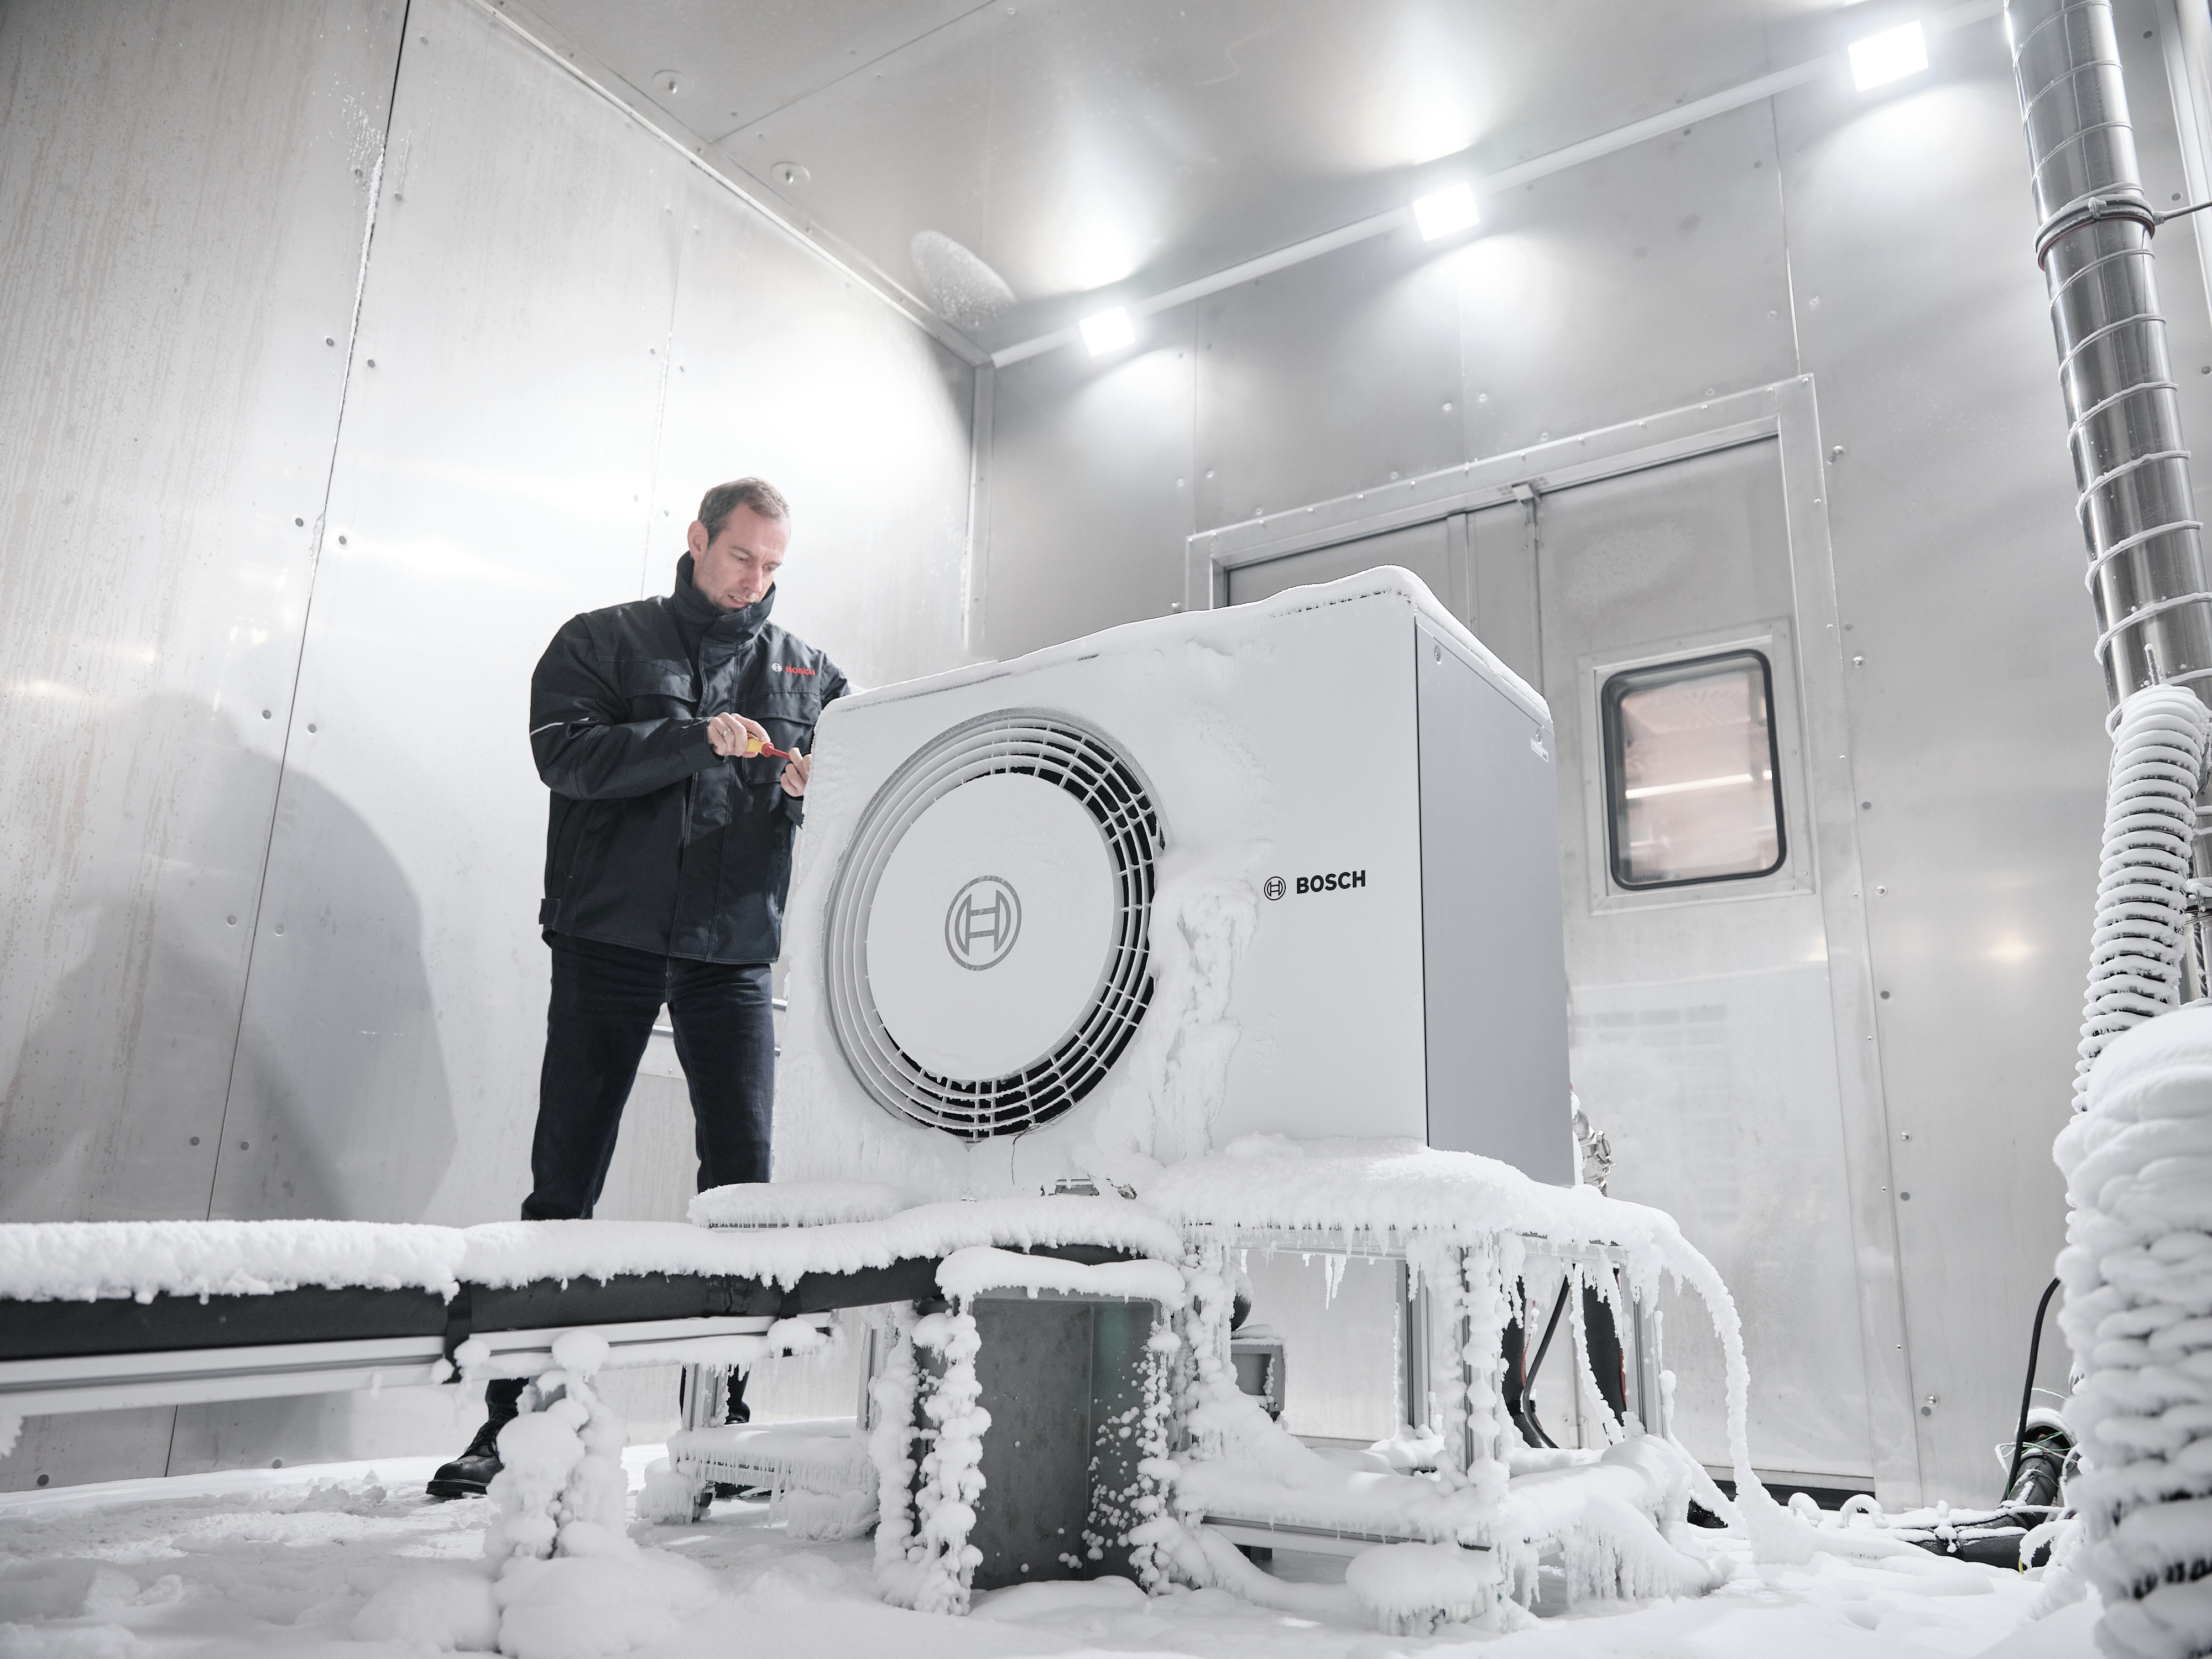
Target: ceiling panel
{"x":1073,"y":145}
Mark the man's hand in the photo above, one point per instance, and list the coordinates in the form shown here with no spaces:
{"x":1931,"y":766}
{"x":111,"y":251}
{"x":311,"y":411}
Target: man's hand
{"x":735,"y":735}
{"x":794,"y":774}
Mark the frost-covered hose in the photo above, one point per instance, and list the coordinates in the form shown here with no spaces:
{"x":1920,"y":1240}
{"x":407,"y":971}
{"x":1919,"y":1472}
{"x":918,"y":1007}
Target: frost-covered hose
{"x":2138,"y":1269}
{"x":2144,"y":881}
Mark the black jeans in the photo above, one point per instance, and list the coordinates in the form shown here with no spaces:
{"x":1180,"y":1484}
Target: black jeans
{"x":597,"y":1026}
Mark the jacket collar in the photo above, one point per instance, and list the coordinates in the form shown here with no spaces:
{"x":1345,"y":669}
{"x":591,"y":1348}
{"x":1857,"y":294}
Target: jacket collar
{"x":733,"y":627}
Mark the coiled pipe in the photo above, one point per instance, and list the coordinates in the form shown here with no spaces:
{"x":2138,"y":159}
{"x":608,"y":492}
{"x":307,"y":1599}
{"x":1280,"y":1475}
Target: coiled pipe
{"x":2142,"y":930}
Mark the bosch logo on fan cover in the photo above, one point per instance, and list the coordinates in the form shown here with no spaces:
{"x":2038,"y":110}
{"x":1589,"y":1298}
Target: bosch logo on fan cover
{"x":982,"y":922}
{"x":1337,"y":881}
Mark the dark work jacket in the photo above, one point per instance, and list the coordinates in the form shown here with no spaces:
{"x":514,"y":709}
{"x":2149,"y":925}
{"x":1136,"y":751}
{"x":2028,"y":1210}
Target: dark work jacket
{"x":655,"y":842}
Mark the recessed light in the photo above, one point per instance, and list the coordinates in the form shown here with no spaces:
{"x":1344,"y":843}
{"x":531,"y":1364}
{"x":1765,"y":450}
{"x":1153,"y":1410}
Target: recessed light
{"x":1109,"y":331}
{"x":1445,"y":211}
{"x":1890,"y":55}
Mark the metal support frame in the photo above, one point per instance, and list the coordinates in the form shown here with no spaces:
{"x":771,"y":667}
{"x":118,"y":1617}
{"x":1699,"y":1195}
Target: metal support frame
{"x":178,"y":1377}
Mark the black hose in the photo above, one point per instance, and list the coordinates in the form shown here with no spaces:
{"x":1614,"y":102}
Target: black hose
{"x":1526,"y":1418}
{"x":2027,"y":1389}
{"x":1528,"y":1379}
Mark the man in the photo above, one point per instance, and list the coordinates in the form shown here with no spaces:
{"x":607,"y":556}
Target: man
{"x":666,"y":858}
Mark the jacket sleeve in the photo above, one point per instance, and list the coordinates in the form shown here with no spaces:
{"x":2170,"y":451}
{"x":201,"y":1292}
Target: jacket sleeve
{"x":833,"y":686}
{"x":583,"y":747}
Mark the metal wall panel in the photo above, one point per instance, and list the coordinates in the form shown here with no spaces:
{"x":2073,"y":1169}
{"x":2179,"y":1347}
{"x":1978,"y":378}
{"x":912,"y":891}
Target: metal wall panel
{"x":1364,"y":345}
{"x":183,"y":198}
{"x":563,"y":320}
{"x":1975,"y":736}
{"x":1646,"y":280}
{"x":1090,"y":491}
{"x":492,"y":479}
{"x":171,"y":405}
{"x":786,"y":370}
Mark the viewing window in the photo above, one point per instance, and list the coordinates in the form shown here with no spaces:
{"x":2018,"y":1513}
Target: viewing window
{"x":1693,"y":791}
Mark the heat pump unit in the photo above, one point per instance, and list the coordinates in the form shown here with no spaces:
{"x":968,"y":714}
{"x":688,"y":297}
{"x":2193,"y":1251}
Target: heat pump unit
{"x":1291,"y":868}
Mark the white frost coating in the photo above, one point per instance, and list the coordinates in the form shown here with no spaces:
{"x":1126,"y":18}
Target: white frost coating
{"x":826,"y":1453}
{"x":795,"y":1203}
{"x":2138,"y":1269}
{"x":967,"y":1274}
{"x":1162,"y":1102}
{"x":570,"y":1584}
{"x":821,"y":1482}
{"x":2143,"y":880}
{"x":1601,"y":1517}
{"x":1381,"y":1186}
{"x":890,"y":1444}
{"x":508,"y":1253}
{"x":1409,"y":1590}
{"x":932,"y":1569}
{"x":86,"y":1261}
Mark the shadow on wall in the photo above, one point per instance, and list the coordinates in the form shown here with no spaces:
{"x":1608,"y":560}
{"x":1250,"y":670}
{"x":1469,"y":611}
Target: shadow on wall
{"x":147,"y":1085}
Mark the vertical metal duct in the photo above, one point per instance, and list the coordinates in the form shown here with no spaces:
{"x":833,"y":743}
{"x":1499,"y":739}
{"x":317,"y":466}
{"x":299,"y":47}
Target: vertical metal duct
{"x":2146,"y":548}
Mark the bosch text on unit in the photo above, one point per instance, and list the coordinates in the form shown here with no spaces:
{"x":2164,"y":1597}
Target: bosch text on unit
{"x":1339,"y":881}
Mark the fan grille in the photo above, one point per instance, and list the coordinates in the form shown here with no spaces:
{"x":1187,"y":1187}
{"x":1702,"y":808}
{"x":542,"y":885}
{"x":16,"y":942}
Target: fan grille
{"x":1058,"y":751}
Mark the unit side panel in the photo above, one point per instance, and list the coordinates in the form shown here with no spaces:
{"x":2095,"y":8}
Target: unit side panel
{"x":1327,"y":1000}
{"x":1491,"y":942}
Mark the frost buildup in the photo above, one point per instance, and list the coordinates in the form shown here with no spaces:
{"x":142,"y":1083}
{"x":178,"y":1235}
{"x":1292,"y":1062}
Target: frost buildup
{"x":927,"y":1564}
{"x":567,"y":1581}
{"x":2138,"y":1269}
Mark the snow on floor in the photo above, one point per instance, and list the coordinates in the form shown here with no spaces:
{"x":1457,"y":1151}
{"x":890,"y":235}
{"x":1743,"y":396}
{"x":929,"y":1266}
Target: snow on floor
{"x":281,"y":1561}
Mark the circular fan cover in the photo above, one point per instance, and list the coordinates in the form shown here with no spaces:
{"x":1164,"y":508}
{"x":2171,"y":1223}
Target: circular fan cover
{"x":989,"y":949}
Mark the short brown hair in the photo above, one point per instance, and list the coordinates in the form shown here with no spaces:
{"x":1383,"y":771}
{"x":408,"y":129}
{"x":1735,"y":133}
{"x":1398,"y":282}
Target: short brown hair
{"x":723,"y":499}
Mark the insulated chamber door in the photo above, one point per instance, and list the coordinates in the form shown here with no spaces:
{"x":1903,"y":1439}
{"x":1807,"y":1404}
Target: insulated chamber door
{"x":1657,"y":611}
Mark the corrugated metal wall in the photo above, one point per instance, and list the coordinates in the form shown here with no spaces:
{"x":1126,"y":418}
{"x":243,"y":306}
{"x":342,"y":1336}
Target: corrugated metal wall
{"x":270,"y":591}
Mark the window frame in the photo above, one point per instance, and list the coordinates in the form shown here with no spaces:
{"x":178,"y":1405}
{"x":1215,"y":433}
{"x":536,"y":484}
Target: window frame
{"x":1621,"y":683}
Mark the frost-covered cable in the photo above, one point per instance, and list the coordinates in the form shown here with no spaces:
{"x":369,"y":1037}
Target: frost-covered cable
{"x":2137,"y":1271}
{"x":2143,"y":879}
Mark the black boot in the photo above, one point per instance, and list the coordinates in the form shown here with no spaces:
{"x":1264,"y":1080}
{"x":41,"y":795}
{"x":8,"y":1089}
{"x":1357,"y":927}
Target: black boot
{"x":738,"y":1412}
{"x":470,"y":1474}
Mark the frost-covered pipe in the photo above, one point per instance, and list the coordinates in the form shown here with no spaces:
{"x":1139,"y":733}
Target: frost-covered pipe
{"x":2143,"y":886}
{"x":2138,"y":1269}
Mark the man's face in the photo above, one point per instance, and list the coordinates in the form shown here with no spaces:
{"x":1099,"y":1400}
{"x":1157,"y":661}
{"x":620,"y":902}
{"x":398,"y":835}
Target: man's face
{"x":737,"y":567}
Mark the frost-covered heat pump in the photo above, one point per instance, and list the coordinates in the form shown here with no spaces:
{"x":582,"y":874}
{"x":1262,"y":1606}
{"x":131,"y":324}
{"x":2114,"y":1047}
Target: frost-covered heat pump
{"x":1289,"y":867}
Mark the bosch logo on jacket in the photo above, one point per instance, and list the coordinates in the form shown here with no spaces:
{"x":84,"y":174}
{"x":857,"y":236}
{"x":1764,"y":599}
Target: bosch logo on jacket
{"x":654,"y":841}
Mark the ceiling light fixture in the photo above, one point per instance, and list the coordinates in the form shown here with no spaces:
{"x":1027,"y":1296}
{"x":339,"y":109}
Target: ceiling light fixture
{"x":1445,"y":211}
{"x":1890,"y":55}
{"x":1109,"y":331}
